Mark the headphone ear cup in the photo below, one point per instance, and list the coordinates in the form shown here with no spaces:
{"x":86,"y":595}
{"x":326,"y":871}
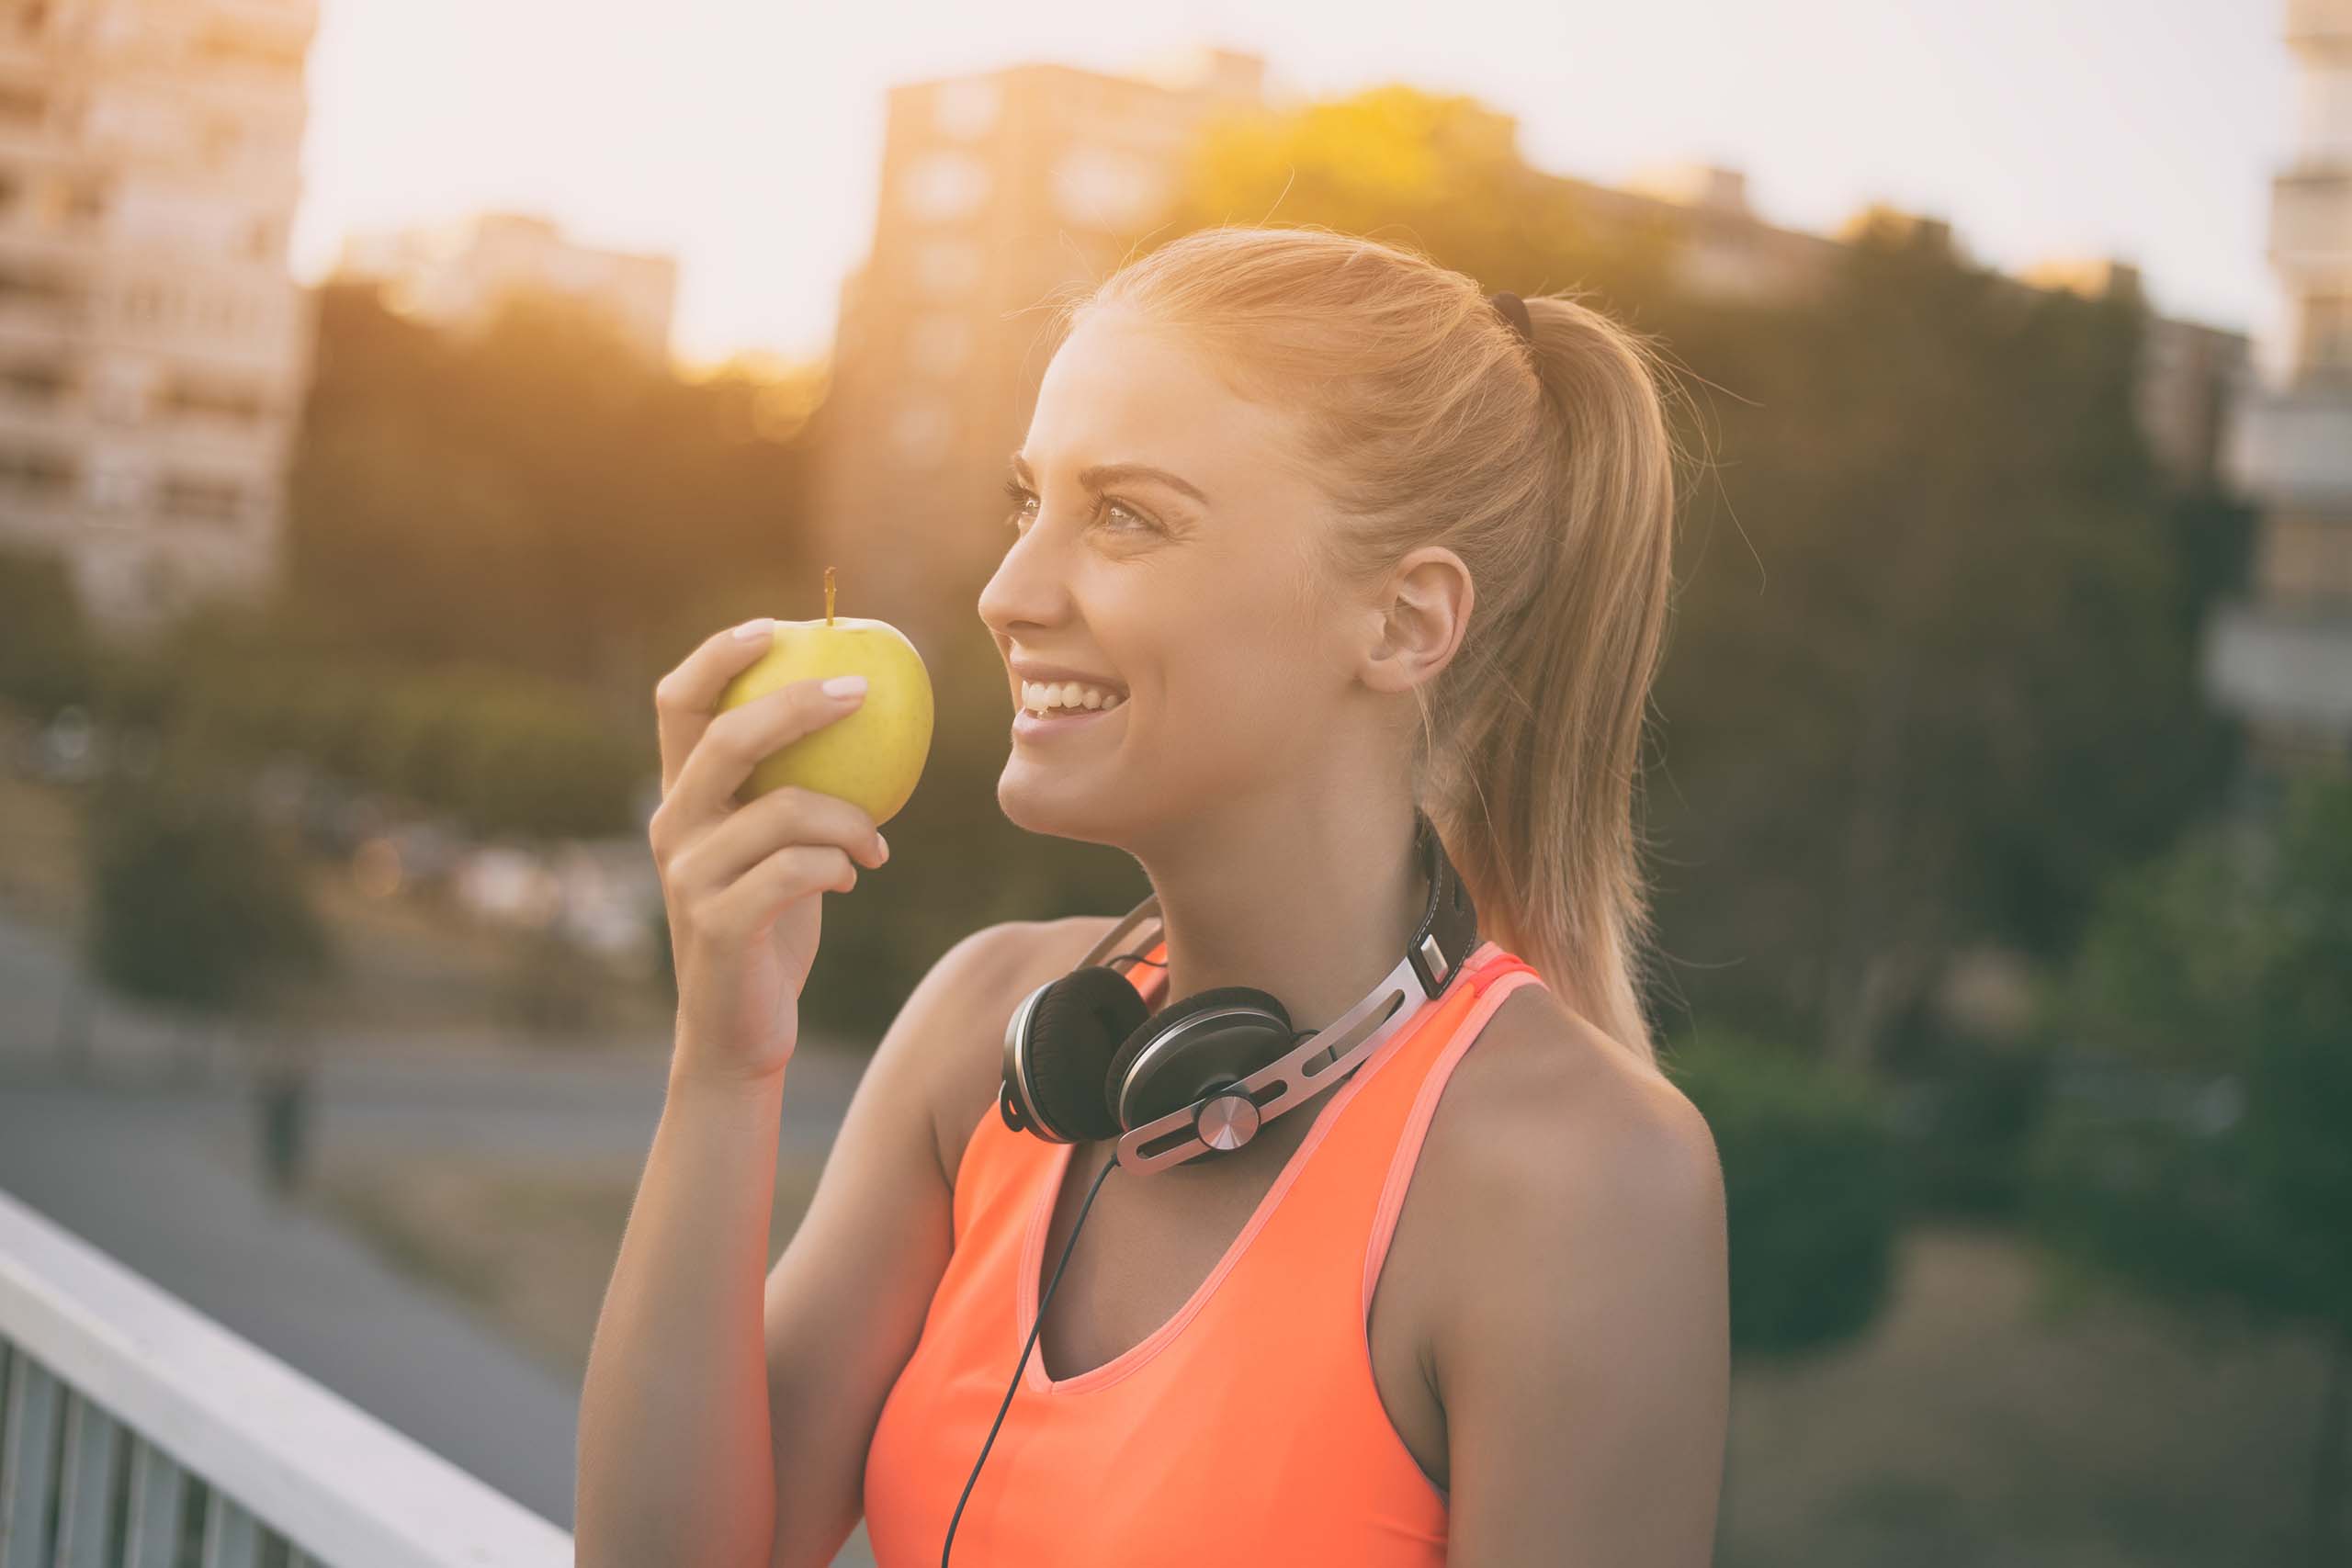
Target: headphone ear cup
{"x":1078,"y":1026}
{"x":1228,"y":1053}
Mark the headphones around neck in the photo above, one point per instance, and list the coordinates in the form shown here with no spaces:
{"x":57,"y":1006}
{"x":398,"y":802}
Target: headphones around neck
{"x":1085,"y":1058}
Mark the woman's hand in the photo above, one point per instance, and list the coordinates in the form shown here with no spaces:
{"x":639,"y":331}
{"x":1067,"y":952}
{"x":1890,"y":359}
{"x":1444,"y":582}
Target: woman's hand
{"x":740,"y":883}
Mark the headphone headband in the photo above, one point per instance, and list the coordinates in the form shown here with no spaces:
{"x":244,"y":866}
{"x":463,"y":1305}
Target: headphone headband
{"x":1442,"y":942}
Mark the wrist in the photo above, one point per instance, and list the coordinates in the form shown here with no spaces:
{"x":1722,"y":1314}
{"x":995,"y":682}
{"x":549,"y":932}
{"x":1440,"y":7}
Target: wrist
{"x":712,"y":1081}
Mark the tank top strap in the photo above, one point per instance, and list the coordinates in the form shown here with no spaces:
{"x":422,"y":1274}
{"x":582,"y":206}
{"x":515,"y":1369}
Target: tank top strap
{"x":1337,"y":1220}
{"x":1379,"y":1141}
{"x":1339,"y":1212}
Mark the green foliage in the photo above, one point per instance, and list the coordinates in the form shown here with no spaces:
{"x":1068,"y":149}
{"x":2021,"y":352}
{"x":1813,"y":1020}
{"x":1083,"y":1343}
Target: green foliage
{"x":538,"y":498}
{"x":1437,"y":172}
{"x":2210,"y":1165}
{"x":499,"y":749}
{"x":1809,"y":1188}
{"x":1981,"y":1106}
{"x":1934,"y":672}
{"x":193,"y":902}
{"x":46,"y":661}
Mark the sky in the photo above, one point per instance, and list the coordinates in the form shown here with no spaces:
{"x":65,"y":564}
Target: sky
{"x":744,"y":136}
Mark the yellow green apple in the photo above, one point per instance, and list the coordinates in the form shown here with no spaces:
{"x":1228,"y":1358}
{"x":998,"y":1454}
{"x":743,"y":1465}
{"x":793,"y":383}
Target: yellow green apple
{"x":871,"y":756}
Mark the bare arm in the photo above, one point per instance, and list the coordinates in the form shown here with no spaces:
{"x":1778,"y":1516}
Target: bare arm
{"x":740,"y":1413}
{"x":673,"y":1413}
{"x":846,"y":1301}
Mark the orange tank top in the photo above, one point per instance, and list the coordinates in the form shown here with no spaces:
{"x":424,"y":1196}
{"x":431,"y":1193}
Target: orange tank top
{"x":1247,"y":1427}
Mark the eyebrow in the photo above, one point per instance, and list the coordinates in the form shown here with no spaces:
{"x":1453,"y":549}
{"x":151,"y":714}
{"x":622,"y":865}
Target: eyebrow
{"x":1101,"y":474}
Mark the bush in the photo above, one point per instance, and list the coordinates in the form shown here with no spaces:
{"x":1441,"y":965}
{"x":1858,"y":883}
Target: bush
{"x":46,"y":657}
{"x":503,"y":753}
{"x":1809,"y":1188}
{"x":193,"y":902}
{"x":1967,"y":1155}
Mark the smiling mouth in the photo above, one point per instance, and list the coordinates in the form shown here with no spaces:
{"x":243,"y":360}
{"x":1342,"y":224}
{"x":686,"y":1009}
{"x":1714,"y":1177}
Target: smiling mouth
{"x":1029,"y":703}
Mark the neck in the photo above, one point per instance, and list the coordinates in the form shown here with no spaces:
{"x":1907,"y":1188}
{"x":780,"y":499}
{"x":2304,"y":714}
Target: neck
{"x":1313,"y":905}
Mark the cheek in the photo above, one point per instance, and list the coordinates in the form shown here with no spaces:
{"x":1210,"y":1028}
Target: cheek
{"x":1231,"y":700}
{"x":1226,"y":659}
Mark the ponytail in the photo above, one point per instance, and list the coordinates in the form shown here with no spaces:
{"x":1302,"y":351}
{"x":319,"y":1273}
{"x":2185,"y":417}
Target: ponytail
{"x":1546,"y":463}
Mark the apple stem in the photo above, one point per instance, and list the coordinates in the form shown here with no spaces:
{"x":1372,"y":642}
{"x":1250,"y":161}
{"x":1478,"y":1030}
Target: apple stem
{"x":829,"y":596}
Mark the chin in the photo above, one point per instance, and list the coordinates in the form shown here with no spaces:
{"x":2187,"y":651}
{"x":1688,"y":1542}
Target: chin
{"x":1037,"y":800}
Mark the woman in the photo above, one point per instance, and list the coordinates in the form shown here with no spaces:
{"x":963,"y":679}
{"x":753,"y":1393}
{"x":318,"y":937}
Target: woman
{"x":1334,"y":537}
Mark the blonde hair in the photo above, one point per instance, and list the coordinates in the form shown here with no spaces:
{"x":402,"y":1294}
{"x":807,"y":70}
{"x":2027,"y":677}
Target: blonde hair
{"x":1549,"y":469}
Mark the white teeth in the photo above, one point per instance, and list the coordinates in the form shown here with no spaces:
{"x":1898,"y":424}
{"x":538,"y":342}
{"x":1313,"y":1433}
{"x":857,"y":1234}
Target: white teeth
{"x":1048,"y":697}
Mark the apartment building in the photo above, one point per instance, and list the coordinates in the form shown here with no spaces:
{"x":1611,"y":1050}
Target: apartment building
{"x":996,"y":188}
{"x":2283,"y":656}
{"x":154,"y":351}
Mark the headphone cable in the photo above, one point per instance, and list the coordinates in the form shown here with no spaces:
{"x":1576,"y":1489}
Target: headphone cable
{"x":1109,"y":1165}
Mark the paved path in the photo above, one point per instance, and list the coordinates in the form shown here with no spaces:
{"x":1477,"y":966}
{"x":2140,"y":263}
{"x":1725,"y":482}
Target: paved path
{"x":158,"y":1165}
{"x":154,"y":1188}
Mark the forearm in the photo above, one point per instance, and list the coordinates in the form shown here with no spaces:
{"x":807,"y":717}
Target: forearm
{"x":674,"y":1463}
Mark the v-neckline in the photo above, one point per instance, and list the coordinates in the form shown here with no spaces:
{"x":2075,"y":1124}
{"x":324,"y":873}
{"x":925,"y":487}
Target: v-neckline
{"x":1057,"y":1161}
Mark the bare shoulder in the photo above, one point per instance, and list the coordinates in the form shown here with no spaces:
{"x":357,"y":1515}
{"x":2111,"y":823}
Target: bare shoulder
{"x":1549,"y":1130}
{"x":1545,"y":1096}
{"x":1014,"y":958}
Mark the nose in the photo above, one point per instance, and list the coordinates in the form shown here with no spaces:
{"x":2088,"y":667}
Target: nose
{"x":1028,"y":588}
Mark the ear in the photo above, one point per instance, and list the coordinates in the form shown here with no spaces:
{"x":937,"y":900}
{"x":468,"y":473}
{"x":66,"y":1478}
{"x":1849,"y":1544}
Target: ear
{"x":1419,"y":620}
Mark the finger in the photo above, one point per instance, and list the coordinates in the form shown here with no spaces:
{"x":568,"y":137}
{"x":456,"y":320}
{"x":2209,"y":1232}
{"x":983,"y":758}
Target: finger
{"x":687,"y":699}
{"x":736,"y":741}
{"x":753,"y":900}
{"x":791,"y":815}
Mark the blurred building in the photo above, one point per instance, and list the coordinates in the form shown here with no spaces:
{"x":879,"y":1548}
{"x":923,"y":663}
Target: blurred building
{"x":2284,"y":657}
{"x":996,"y":190}
{"x":458,"y":275}
{"x":1001,"y":188}
{"x":155,"y":352}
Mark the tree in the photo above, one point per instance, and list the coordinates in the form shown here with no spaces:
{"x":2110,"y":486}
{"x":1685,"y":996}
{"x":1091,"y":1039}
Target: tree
{"x":538,"y":496}
{"x":194,"y":905}
{"x":1436,"y":171}
{"x":46,"y":657}
{"x":1944,"y":678}
{"x":2222,"y":974}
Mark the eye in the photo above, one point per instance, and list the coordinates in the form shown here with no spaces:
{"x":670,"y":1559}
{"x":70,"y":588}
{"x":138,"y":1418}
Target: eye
{"x":1021,"y":499}
{"x":1114,"y":504}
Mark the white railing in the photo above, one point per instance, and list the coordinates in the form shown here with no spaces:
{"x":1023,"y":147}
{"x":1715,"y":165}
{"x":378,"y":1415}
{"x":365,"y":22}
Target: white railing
{"x":133,"y":1427}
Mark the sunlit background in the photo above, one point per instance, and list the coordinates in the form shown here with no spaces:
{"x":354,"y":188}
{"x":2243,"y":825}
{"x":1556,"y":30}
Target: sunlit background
{"x":2038,"y":127}
{"x":392,"y":391}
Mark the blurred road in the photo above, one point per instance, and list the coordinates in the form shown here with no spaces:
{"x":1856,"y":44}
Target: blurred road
{"x":146,"y":1146}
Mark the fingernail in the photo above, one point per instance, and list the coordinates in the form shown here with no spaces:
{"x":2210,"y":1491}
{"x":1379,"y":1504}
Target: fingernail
{"x":763,"y":627}
{"x":845,"y":685}
{"x":885,"y":846}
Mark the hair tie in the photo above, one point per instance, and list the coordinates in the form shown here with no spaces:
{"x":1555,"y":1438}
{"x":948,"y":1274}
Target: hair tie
{"x":1512,"y":308}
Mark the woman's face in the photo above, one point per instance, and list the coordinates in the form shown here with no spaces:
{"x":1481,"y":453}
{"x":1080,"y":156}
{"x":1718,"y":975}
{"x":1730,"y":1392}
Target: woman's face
{"x":1192,"y":592}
